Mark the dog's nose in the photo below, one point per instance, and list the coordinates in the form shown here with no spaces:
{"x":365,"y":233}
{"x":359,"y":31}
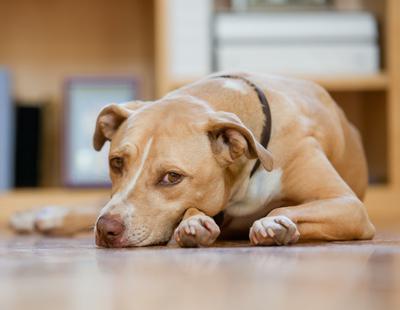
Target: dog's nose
{"x":110,"y":229}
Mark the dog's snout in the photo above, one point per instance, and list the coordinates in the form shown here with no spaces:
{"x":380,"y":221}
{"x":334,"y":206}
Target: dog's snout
{"x":110,"y":226}
{"x":110,"y":229}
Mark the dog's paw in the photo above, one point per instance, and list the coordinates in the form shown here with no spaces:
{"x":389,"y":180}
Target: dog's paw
{"x":45,"y":220}
{"x":271,"y":230}
{"x":23,"y":222}
{"x":196,"y":231}
{"x":50,"y":219}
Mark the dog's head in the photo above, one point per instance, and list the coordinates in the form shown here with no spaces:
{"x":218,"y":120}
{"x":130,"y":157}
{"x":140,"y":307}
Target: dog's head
{"x":165,"y":157}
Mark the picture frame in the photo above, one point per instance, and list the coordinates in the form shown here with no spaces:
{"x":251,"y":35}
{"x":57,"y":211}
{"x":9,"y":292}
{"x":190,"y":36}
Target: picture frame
{"x":84,"y":97}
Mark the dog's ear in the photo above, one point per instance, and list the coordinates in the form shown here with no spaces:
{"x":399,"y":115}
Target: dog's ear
{"x":108,"y":121}
{"x":230,"y":139}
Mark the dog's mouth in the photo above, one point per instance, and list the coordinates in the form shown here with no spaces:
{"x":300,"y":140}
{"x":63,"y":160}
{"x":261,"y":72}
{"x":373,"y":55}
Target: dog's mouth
{"x":128,"y":242}
{"x":138,"y":235}
{"x":116,"y":245}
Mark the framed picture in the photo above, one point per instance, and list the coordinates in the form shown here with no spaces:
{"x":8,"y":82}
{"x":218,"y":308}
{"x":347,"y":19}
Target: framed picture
{"x":83,"y":99}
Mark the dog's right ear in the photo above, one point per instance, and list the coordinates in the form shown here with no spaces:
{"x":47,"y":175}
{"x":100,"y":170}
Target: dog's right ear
{"x":108,"y":121}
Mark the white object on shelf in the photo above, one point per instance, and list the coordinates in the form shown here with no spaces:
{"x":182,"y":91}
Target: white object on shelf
{"x":298,"y":43}
{"x":188,"y":33}
{"x":239,"y":5}
{"x":281,"y":27}
{"x":6,"y":133}
{"x":301,"y":59}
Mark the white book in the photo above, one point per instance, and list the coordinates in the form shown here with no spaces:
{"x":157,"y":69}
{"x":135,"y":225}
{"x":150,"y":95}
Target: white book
{"x":189,"y":40}
{"x":300,"y":59}
{"x":6,"y":133}
{"x":297,"y":26}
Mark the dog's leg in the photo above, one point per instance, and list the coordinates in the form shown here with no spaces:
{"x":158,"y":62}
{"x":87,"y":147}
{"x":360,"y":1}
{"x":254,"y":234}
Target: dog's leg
{"x":55,"y":220}
{"x":328,"y":209}
{"x":196,"y":229}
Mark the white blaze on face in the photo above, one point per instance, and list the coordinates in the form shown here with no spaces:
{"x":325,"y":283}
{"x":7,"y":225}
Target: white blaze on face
{"x":120,"y":198}
{"x":263,"y":187}
{"x":235,"y":85}
{"x":132,"y":183}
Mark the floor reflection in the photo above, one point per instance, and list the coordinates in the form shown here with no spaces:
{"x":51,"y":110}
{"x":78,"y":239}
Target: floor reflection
{"x":42,"y":273}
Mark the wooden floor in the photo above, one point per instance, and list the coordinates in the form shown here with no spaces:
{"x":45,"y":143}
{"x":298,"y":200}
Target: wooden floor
{"x":56,"y":274}
{"x":46,"y":273}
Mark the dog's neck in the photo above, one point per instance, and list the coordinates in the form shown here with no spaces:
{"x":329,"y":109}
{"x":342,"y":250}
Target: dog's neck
{"x":239,"y":178}
{"x":241,"y":172}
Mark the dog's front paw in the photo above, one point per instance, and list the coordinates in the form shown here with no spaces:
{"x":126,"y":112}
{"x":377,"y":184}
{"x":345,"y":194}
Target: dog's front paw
{"x":272,"y":230}
{"x":196,"y":231}
{"x":50,"y":220}
{"x":23,"y":221}
{"x":47,"y":220}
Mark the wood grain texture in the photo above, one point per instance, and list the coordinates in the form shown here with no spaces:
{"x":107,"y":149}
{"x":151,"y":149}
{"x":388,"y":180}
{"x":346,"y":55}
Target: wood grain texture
{"x":41,"y":273}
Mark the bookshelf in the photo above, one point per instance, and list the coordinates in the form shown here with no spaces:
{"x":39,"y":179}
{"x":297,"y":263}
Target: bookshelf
{"x":372,"y":82}
{"x":371,"y":101}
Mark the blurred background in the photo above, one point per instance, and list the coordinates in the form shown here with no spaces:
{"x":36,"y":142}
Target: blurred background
{"x":62,"y":60}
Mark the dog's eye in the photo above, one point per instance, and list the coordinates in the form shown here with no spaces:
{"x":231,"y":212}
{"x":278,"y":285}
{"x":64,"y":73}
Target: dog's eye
{"x":117,"y":163}
{"x":171,"y":178}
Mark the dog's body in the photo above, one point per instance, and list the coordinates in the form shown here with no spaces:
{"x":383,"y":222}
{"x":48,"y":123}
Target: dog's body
{"x":208,"y":133}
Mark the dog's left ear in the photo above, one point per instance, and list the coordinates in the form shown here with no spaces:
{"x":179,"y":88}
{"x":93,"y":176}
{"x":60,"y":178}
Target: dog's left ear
{"x":108,"y":121}
{"x":230,"y":139}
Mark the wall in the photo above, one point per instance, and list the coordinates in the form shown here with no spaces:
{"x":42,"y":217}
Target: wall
{"x":44,"y":41}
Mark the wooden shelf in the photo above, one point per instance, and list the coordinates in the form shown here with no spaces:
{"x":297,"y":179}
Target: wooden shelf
{"x":382,"y":203}
{"x":352,"y":82}
{"x":370,"y":82}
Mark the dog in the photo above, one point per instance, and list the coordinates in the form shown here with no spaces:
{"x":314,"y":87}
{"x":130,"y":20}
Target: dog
{"x":234,"y":155}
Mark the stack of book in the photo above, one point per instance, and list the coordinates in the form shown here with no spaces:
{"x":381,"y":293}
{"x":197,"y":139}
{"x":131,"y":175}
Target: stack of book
{"x":300,"y":43}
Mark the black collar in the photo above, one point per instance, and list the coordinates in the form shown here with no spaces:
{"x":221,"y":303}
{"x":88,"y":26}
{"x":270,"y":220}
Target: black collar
{"x":266,"y":133}
{"x":265,"y":136}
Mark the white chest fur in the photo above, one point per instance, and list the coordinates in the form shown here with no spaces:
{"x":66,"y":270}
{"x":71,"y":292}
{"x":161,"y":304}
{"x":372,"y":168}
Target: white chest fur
{"x":263,"y":187}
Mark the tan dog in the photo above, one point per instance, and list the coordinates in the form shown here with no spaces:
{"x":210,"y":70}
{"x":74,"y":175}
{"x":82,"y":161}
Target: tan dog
{"x":178,"y":162}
